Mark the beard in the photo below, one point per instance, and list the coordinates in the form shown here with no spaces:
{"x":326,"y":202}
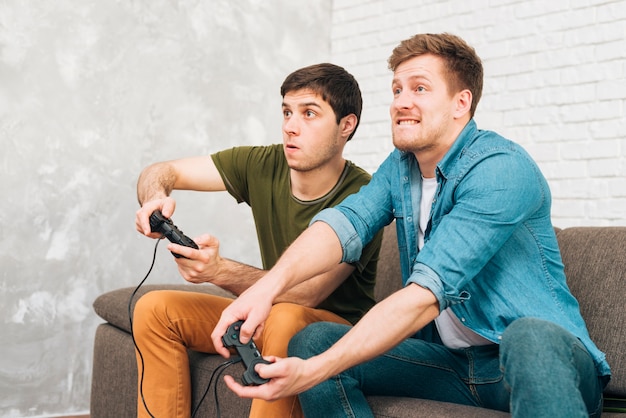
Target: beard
{"x":319,"y":159}
{"x":414,"y":144}
{"x":423,"y":139}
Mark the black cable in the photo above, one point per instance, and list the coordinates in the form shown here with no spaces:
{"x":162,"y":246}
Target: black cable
{"x":221,"y":369}
{"x":130,"y":319}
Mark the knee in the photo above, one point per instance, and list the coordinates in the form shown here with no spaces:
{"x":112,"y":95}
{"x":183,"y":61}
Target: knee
{"x":148,"y":310}
{"x":531,"y":332}
{"x":531,"y":339}
{"x":315,"y":339}
{"x":284,"y":320}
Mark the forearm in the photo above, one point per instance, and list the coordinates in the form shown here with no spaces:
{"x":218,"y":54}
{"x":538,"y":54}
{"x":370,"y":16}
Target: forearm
{"x":236,"y":277}
{"x":314,"y":253}
{"x":195,"y":173}
{"x":155,"y":182}
{"x":314,"y":291}
{"x":382,"y":328}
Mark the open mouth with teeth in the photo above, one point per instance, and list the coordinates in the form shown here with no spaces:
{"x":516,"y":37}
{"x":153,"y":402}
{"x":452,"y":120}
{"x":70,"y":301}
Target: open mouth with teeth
{"x":407,"y":122}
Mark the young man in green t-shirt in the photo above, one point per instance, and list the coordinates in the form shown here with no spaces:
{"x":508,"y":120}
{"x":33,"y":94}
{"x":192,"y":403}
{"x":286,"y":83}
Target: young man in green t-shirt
{"x":285,"y":186}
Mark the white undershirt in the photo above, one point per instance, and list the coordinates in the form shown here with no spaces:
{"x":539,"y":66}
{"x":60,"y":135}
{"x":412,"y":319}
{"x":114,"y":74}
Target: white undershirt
{"x":429,"y":187}
{"x":452,"y":332}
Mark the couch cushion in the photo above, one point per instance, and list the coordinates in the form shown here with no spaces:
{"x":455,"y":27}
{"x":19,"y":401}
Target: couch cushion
{"x":113,"y":306}
{"x":595,"y":266}
{"x":397,"y":407}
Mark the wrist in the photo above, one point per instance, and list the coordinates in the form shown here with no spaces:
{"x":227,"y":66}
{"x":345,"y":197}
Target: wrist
{"x":318,"y":369}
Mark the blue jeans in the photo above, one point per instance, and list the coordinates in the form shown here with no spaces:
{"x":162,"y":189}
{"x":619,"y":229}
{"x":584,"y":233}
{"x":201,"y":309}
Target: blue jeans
{"x":539,"y":370}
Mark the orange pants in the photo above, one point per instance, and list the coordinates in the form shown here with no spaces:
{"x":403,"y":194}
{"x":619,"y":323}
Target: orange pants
{"x":167,"y":322}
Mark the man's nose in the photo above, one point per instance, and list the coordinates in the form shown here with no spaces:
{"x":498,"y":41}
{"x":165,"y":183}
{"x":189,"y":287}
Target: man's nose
{"x":291,"y":126}
{"x":402,"y":100}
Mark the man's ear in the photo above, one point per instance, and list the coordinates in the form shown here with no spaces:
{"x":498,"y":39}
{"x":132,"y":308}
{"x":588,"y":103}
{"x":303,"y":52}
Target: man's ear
{"x":463,"y":103}
{"x":347,"y":125}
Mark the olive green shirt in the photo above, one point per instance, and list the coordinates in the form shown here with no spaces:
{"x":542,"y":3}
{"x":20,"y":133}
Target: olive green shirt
{"x":259,"y":176}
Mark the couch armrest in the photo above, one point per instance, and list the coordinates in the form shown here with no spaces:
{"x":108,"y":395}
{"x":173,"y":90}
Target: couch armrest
{"x":113,"y":306}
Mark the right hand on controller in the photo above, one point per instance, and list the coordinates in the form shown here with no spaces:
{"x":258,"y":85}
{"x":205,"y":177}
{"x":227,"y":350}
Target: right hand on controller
{"x":166,"y":205}
{"x":202,"y":265}
{"x":253,"y":307}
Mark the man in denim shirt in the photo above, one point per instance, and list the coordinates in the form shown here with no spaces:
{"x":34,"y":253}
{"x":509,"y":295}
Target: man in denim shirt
{"x":485,"y":317}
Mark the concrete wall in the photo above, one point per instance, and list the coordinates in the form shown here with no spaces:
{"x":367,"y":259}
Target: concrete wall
{"x":555,"y":82}
{"x":91,"y":91}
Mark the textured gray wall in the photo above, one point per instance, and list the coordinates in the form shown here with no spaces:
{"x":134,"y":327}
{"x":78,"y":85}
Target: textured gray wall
{"x":91,"y":91}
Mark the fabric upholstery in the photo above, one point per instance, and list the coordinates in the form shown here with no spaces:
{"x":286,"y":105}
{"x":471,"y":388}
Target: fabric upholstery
{"x":384,"y":406}
{"x":595,"y":267}
{"x":388,"y":274}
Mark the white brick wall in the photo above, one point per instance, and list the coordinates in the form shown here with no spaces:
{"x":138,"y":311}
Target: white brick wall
{"x":555,"y":82}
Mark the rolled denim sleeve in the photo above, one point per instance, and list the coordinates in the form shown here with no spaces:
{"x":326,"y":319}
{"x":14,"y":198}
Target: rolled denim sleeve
{"x":360,"y":216}
{"x":351,"y":243}
{"x":426,"y":277}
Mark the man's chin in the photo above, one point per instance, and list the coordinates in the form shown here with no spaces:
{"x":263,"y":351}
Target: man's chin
{"x":297,"y":167}
{"x":404,"y":145}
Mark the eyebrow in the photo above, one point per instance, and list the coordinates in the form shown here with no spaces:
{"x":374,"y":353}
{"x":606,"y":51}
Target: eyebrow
{"x":410,"y":79}
{"x":305,"y":104}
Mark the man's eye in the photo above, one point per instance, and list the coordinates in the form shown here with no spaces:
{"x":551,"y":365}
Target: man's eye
{"x":309,"y":114}
{"x":286,"y":113}
{"x":420,"y":88}
{"x":396,"y":91}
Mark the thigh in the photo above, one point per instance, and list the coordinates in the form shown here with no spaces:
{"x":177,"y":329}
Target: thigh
{"x":545,"y":364}
{"x":415,"y":368}
{"x":286,"y":320}
{"x":187,"y":318}
{"x":418,"y":369}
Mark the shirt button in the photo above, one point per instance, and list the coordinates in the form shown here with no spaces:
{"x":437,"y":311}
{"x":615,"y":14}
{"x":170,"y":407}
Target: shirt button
{"x":409,"y":218}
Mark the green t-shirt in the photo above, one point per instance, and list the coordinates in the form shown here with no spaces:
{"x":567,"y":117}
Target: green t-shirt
{"x":259,"y":176}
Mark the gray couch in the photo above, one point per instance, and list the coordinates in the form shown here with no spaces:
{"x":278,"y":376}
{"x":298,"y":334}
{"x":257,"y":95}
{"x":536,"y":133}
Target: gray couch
{"x":595,"y":264}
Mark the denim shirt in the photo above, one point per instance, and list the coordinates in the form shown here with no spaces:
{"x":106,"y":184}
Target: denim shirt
{"x":489,"y":217}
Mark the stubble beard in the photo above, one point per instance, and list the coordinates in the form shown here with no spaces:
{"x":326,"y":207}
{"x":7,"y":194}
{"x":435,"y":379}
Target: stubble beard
{"x":414,"y":144}
{"x":319,"y":160}
{"x":419,"y":142}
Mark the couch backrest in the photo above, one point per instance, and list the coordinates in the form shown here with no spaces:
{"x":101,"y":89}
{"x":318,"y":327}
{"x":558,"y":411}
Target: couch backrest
{"x":595,"y":266}
{"x":388,"y":274}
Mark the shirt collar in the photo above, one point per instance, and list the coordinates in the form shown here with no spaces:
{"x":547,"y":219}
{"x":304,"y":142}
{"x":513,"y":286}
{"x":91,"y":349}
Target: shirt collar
{"x":458,"y":147}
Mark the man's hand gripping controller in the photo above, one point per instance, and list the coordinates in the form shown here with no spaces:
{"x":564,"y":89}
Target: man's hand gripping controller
{"x":165,"y":226}
{"x":249,"y":354}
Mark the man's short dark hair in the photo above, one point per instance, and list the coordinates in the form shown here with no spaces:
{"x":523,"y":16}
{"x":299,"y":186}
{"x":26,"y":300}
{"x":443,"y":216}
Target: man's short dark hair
{"x":333,"y":83}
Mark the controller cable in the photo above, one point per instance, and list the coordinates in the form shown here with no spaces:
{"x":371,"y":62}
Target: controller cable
{"x":219,"y":368}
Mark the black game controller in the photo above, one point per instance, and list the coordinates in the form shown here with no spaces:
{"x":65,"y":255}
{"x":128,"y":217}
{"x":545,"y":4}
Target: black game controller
{"x":159,"y":223}
{"x":249,"y":354}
